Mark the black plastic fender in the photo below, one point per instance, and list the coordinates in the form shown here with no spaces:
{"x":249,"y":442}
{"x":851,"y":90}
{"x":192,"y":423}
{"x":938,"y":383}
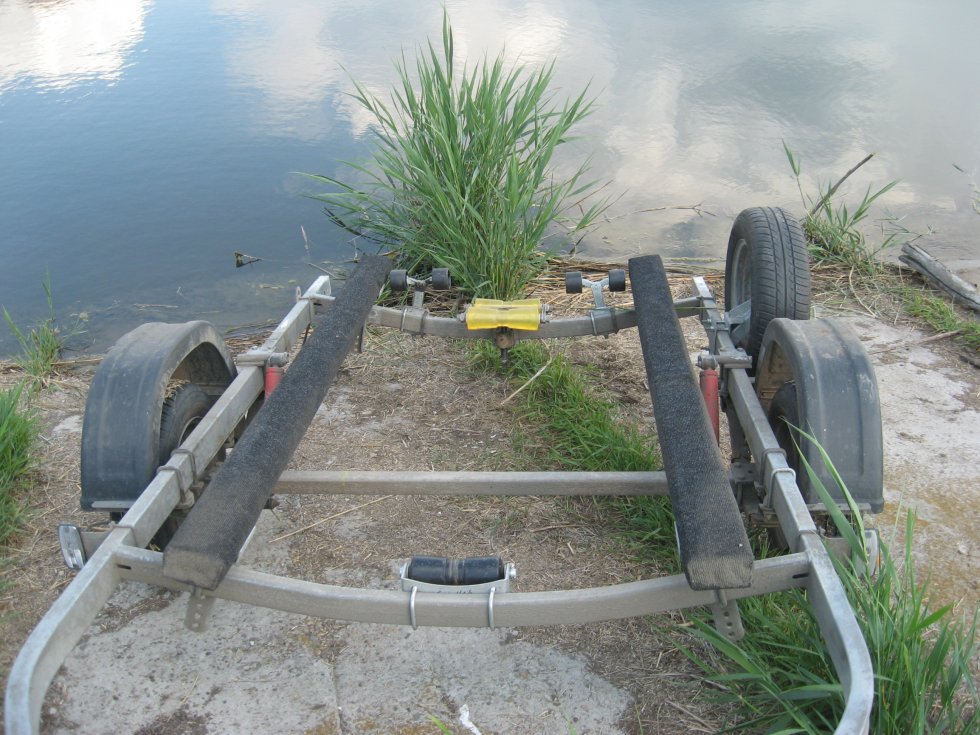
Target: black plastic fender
{"x":837,"y":402}
{"x":121,"y":428}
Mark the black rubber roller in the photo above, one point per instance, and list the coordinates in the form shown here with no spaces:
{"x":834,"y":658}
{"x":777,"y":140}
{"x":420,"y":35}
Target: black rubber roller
{"x":442,"y":570}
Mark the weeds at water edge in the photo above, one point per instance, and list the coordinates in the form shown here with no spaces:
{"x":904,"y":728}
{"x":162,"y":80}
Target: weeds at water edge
{"x":40,"y":346}
{"x":18,"y":432}
{"x":834,"y":229}
{"x":836,"y":240}
{"x":462,"y":177}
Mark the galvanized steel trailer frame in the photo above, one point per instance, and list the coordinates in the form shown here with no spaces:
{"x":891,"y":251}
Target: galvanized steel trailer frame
{"x":121,"y":554}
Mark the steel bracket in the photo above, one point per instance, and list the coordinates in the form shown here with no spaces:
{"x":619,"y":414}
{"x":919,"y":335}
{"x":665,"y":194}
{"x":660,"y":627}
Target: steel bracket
{"x":728,"y":620}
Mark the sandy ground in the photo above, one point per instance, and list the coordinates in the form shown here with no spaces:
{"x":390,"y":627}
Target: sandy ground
{"x":930,"y":410}
{"x":416,"y":404}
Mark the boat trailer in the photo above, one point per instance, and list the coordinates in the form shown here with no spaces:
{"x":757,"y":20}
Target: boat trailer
{"x":184,"y":445}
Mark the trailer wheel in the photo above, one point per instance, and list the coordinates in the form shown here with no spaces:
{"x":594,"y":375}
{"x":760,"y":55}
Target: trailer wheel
{"x":767,"y":273}
{"x":183,"y":409}
{"x":783,"y":414}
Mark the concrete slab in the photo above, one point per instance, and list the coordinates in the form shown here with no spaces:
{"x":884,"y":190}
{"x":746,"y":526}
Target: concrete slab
{"x":139,"y":670}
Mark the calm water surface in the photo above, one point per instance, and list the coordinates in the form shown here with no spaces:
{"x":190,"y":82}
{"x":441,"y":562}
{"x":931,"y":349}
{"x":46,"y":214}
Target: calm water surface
{"x":142,"y":143}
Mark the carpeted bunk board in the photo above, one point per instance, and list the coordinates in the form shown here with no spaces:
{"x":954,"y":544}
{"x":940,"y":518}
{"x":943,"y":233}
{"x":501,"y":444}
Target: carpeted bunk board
{"x":208,"y":541}
{"x":714,"y":547}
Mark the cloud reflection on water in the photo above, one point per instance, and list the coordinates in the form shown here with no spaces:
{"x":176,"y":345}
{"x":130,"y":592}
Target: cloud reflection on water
{"x":682,"y":117}
{"x":58,"y":45}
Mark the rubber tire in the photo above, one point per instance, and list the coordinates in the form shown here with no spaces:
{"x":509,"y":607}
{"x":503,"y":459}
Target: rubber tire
{"x":784,"y":413}
{"x":182,"y":411}
{"x":617,"y":279}
{"x":768,"y":263}
{"x":573,"y":282}
{"x":398,"y":280}
{"x":441,"y":280}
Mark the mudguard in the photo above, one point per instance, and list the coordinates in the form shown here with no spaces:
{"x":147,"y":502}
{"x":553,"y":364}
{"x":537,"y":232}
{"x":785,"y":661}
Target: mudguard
{"x":121,"y":428}
{"x":837,"y":402}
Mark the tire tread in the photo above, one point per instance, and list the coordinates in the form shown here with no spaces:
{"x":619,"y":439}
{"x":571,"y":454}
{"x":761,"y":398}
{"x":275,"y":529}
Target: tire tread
{"x":780,"y":269}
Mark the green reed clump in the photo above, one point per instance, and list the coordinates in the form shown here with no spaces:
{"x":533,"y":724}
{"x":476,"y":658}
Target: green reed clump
{"x":18,"y":432}
{"x":40,"y":346}
{"x":462,"y":176}
{"x":780,"y":675}
{"x":833,"y":228}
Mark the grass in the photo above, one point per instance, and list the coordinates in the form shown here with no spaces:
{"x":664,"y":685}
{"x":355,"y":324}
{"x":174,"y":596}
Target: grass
{"x":939,"y":314}
{"x":40,"y":347}
{"x":833,"y":228}
{"x":462,"y":177}
{"x":18,"y":432}
{"x":782,"y":679}
{"x":576,"y":426}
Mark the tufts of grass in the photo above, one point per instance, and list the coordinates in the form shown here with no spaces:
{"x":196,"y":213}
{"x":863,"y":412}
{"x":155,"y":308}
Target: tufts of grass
{"x":462,"y":176}
{"x":781,"y":678}
{"x":578,"y":428}
{"x":941,"y":315}
{"x":836,"y":239}
{"x":18,"y":432}
{"x":442,"y":726}
{"x":40,"y":346}
{"x":833,"y":228}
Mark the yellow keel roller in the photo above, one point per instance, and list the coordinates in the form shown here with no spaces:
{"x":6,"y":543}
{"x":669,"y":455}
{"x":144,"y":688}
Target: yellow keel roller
{"x":492,"y":313}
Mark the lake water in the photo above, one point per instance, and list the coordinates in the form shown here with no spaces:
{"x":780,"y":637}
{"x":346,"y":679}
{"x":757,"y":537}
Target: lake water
{"x":142,"y":143}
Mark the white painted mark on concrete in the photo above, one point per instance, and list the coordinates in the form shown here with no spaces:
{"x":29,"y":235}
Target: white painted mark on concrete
{"x":464,"y":720}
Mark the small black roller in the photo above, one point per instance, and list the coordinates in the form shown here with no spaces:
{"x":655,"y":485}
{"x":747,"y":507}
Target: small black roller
{"x":441,"y":280}
{"x":442,"y":570}
{"x":573,"y":282}
{"x":398,"y":280}
{"x":617,"y":279}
